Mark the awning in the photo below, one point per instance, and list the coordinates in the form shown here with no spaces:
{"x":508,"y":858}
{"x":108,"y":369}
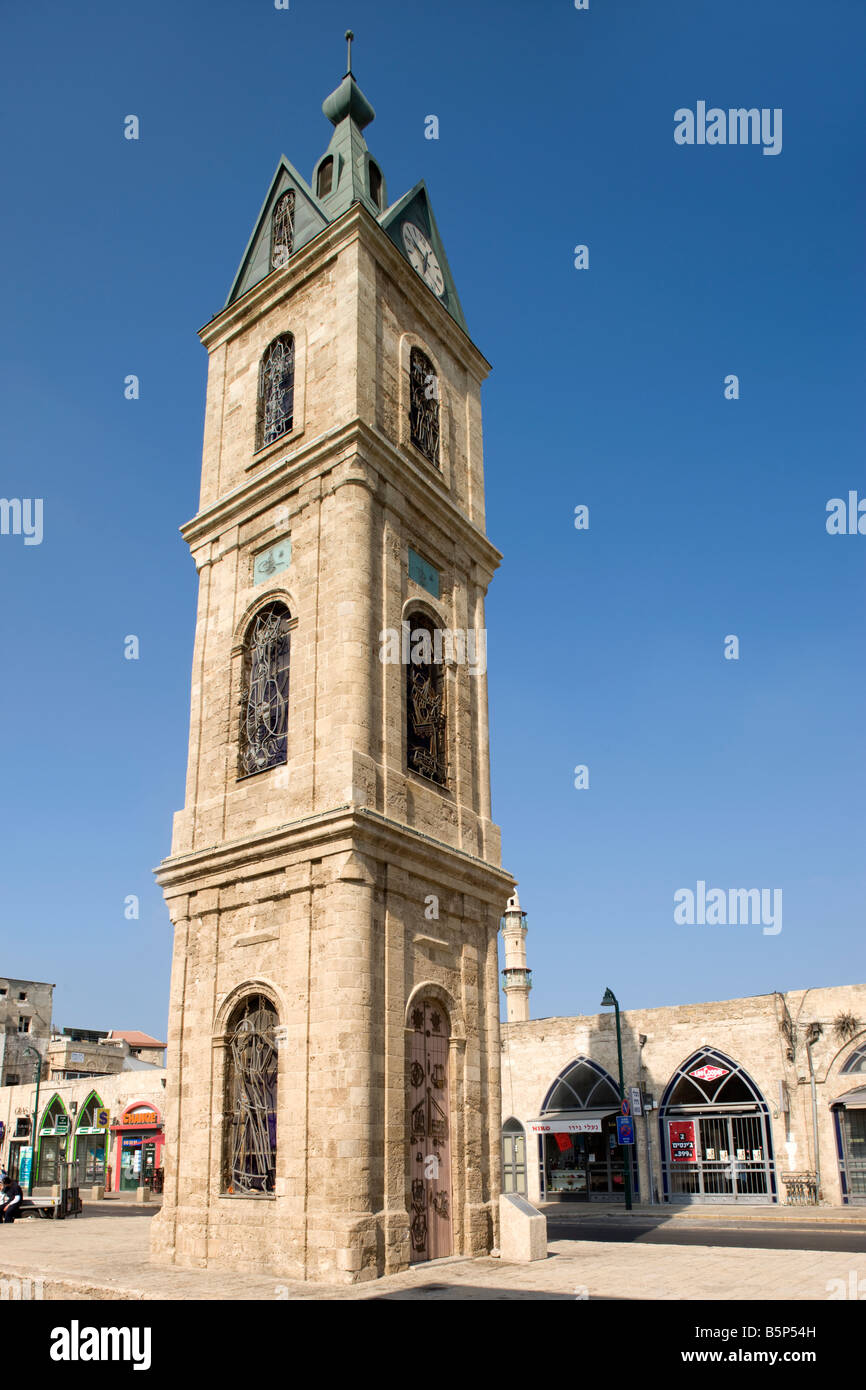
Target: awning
{"x":854,"y":1100}
{"x":571,"y":1122}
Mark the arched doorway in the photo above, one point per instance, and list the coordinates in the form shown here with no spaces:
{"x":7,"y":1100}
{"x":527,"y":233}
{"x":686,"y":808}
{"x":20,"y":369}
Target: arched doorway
{"x":715,"y":1138}
{"x":849,"y":1118}
{"x":579,"y":1157}
{"x":91,"y":1138}
{"x":429,"y":1132}
{"x":53,"y":1142}
{"x":514,"y":1157}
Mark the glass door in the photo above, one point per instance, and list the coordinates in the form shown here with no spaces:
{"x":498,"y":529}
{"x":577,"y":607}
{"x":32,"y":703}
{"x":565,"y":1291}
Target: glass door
{"x":854,"y":1140}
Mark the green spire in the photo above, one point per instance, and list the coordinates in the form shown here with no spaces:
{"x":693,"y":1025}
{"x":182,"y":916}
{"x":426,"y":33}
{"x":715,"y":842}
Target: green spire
{"x":349,"y":179}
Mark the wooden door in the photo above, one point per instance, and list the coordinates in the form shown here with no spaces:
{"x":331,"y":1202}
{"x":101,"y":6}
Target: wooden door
{"x":429,"y":1133}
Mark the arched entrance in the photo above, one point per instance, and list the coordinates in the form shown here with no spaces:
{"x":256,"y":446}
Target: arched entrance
{"x":579,"y":1157}
{"x":53,"y":1142}
{"x":91,"y":1140}
{"x":715,"y":1138}
{"x":429,"y":1132}
{"x":849,"y":1118}
{"x":514,"y":1157}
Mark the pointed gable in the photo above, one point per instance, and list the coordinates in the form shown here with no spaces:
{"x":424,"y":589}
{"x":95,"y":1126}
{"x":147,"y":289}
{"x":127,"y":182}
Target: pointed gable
{"x":415,"y":207}
{"x":310,"y":218}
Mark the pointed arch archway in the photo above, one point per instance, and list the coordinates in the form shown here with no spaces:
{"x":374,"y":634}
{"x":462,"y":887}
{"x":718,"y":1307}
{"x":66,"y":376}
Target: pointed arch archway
{"x":90,"y":1143}
{"x":715,"y":1137}
{"x":54,"y":1138}
{"x":579,"y":1156}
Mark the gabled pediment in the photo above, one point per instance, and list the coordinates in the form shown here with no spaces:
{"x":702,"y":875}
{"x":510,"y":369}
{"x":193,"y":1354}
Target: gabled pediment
{"x":310,"y":218}
{"x":415,"y":207}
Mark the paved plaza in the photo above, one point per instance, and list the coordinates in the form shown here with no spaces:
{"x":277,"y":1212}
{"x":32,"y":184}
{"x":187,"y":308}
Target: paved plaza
{"x":104,"y":1255}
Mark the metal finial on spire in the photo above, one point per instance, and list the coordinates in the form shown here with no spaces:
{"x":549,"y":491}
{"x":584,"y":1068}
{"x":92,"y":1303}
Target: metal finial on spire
{"x":349,"y":36}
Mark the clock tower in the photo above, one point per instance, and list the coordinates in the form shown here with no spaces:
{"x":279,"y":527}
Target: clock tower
{"x":334,"y":881}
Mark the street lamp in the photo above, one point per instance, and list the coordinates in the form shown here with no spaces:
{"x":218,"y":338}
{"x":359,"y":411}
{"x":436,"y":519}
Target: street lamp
{"x":610,"y":1000}
{"x":31,"y":1052}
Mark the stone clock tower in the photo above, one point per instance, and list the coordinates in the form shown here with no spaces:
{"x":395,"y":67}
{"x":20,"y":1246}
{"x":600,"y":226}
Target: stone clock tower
{"x":334,"y":880}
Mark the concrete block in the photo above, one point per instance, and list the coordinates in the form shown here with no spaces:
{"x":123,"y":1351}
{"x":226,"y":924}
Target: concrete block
{"x":523,"y":1230}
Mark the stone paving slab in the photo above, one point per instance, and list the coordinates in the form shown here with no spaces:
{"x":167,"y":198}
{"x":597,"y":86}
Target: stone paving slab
{"x":108,"y":1259}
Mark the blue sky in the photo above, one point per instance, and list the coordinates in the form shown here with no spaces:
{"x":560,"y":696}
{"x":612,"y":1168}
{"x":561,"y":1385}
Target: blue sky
{"x":707,"y":516}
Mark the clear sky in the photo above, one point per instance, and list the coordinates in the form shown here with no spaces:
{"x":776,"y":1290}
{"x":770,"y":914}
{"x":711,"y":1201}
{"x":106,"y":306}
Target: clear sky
{"x":707,"y":515}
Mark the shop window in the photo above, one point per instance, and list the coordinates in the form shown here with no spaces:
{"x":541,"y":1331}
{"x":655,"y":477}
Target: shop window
{"x":250,"y":1139}
{"x":426,"y":749}
{"x":265,"y":701}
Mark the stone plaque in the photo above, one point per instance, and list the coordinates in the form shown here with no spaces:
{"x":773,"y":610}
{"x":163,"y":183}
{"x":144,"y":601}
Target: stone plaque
{"x":270,"y":562}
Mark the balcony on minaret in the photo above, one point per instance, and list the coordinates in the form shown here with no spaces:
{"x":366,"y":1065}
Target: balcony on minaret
{"x":516,"y":977}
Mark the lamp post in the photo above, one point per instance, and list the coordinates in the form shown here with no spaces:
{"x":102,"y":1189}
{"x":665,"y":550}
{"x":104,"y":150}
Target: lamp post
{"x":31,"y":1052}
{"x":609,"y":1000}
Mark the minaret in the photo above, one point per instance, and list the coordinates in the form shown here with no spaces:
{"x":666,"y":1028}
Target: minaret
{"x":516,"y":979}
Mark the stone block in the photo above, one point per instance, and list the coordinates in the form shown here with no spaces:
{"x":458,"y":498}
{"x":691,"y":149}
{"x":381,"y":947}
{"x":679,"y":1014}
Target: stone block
{"x":523,"y":1230}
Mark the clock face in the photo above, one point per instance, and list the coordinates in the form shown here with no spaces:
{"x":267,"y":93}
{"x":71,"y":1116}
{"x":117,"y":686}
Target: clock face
{"x":423,"y":258}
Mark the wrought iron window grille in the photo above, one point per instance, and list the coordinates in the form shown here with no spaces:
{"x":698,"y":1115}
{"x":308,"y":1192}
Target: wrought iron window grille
{"x":424,"y":405}
{"x":283,"y":230}
{"x":250,"y":1147}
{"x":265,"y":693}
{"x":276,"y":401}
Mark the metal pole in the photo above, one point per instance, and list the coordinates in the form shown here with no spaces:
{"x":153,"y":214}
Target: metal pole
{"x":35,"y":1121}
{"x":626,"y":1147}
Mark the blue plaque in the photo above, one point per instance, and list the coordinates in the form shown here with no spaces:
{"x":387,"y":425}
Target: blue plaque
{"x":423,"y":573}
{"x":271,"y":562}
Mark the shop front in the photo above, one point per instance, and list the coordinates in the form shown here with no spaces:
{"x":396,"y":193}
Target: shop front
{"x":715,"y":1135}
{"x":849,"y":1123}
{"x":19,"y":1140}
{"x":53,"y":1144}
{"x":138,"y":1142}
{"x":91,"y":1143}
{"x":579,"y":1157}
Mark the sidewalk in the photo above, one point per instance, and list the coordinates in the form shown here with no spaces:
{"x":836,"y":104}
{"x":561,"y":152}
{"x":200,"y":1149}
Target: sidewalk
{"x":91,"y":1259}
{"x":730,"y":1212}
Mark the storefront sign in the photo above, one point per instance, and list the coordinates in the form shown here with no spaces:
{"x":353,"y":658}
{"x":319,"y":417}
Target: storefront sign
{"x":681,"y":1137}
{"x":634,"y":1093}
{"x":566,"y":1127}
{"x":25,"y":1163}
{"x":563,"y":1142}
{"x":102,"y":1119}
{"x":707,"y":1073}
{"x":89,"y":1129}
{"x":140,"y":1117}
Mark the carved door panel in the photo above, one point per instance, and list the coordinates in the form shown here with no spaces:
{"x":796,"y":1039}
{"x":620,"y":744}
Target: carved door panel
{"x":429,"y":1134}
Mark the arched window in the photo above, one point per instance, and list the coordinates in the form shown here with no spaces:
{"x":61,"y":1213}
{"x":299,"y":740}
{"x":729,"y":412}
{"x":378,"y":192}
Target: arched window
{"x":250,"y":1147}
{"x":276,"y":391}
{"x":424,"y":405}
{"x":710,"y":1078}
{"x":53,"y":1141}
{"x":582,"y":1086}
{"x":91,"y":1137}
{"x":283,"y":229}
{"x":325,"y":179}
{"x":856,"y":1063}
{"x":375,"y":175}
{"x":265,"y":708}
{"x":426,"y":751}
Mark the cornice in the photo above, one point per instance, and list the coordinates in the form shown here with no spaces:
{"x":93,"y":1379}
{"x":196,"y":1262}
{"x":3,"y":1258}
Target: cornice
{"x":422,"y":489}
{"x":358,"y":828}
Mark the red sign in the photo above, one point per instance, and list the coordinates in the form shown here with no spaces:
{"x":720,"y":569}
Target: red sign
{"x":681,"y":1137}
{"x":563,"y":1141}
{"x":709,"y":1073}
